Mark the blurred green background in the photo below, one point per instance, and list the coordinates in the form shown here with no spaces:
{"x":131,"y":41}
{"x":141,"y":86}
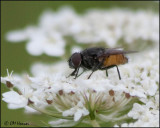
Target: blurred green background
{"x":18,"y":15}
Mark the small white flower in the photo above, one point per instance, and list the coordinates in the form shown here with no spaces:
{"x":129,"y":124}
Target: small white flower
{"x":136,"y":111}
{"x":48,"y":69}
{"x":57,"y":122}
{"x":14,"y":100}
{"x":49,"y":35}
{"x":50,"y":43}
{"x":78,"y":111}
{"x":146,"y":116}
{"x":16,"y":36}
{"x":8,"y":78}
{"x":30,"y":110}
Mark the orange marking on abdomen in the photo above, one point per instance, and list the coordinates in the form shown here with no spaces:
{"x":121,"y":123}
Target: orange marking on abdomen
{"x":115,"y":60}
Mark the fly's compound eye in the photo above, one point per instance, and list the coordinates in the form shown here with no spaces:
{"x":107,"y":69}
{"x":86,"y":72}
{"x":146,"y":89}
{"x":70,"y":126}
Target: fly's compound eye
{"x":75,"y":60}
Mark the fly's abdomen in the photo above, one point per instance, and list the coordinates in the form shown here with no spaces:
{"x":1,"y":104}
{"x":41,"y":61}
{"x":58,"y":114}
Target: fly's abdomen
{"x":115,"y":60}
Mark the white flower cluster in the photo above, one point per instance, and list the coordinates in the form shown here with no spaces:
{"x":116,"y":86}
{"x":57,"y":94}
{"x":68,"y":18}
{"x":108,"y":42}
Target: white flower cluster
{"x":95,"y":101}
{"x":95,"y":26}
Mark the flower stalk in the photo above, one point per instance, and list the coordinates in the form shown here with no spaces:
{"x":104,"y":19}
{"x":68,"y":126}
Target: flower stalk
{"x":95,"y":123}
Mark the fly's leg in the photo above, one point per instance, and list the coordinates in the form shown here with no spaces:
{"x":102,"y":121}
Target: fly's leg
{"x":94,"y":69}
{"x":73,"y":73}
{"x":76,"y":73}
{"x":106,"y":73}
{"x":90,"y":75}
{"x":81,"y":73}
{"x":118,"y":72}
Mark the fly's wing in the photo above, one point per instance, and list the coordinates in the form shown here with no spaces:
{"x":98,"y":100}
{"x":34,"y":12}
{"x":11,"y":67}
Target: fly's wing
{"x":118,"y":48}
{"x":115,"y":51}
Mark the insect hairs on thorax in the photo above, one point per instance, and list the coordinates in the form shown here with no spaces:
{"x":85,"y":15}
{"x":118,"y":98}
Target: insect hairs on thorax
{"x":90,"y":57}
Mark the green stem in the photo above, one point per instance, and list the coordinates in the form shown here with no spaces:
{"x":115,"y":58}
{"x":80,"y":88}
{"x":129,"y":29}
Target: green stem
{"x":95,"y":123}
{"x":49,"y":113}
